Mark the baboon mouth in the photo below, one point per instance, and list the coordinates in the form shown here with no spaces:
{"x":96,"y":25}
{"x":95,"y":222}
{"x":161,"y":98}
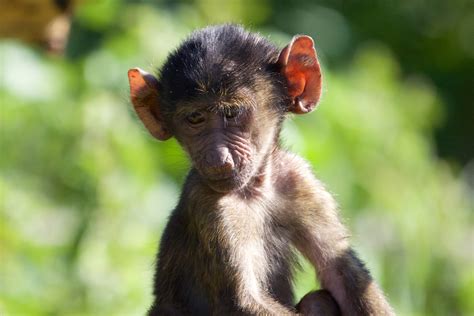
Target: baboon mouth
{"x":227,"y":184}
{"x":224,"y":176}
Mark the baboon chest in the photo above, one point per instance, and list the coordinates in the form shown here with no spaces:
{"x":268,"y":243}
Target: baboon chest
{"x":244,"y":237}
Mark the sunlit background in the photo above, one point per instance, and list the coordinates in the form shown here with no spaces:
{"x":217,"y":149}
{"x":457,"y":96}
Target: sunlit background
{"x":85,"y":191}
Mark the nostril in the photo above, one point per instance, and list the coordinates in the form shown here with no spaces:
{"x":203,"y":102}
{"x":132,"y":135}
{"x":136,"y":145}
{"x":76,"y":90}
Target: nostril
{"x":227,"y":167}
{"x":228,"y":162}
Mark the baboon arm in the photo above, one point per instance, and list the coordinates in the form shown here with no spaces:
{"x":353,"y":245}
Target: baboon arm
{"x":251,"y":295}
{"x":323,"y":240}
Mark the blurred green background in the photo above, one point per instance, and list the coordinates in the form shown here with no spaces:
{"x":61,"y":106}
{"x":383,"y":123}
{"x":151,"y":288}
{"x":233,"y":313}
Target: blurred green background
{"x":85,"y":191}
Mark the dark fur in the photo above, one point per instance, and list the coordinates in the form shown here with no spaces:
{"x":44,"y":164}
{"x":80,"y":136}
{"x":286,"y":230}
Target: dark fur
{"x":219,"y":57}
{"x":230,"y":250}
{"x":193,"y":275}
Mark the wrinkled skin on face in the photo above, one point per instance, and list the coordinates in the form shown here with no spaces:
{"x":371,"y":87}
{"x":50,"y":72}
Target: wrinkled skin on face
{"x":227,"y":145}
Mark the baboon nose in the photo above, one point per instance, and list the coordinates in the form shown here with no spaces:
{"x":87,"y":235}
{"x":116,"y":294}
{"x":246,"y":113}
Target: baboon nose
{"x":219,"y":163}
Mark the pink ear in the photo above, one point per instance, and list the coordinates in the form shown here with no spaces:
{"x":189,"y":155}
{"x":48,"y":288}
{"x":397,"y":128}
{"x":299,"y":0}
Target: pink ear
{"x":144,"y":96}
{"x":300,"y":66}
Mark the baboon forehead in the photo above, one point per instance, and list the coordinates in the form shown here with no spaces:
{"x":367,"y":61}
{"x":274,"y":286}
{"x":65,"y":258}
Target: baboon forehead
{"x":219,"y":79}
{"x":220,"y":87}
{"x":220,"y":99}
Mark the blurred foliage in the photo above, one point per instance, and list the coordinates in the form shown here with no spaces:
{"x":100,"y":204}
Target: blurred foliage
{"x":433,"y":37}
{"x":86,"y":192}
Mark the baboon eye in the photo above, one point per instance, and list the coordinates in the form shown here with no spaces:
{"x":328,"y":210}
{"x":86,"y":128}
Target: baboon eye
{"x":195,"y":118}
